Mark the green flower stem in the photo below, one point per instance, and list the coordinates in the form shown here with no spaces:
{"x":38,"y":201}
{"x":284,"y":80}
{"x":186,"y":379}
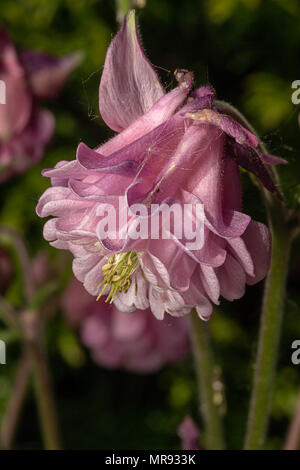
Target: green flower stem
{"x":12,"y":413}
{"x":270,"y":328}
{"x":280,"y":222}
{"x":45,"y":400}
{"x":29,"y":324}
{"x":42,"y":381}
{"x":9,"y":315}
{"x":204,"y":372}
{"x":10,"y":234}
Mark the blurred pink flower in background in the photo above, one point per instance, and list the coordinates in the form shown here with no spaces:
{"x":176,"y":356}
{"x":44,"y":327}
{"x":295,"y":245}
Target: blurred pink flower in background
{"x":189,"y":433}
{"x":136,"y":341}
{"x":25,"y":128}
{"x":174,"y":147}
{"x":41,"y":269}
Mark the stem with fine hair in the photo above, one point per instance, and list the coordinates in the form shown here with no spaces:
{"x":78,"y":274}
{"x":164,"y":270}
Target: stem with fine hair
{"x":204,"y":371}
{"x":270,"y":329}
{"x":280,"y":222}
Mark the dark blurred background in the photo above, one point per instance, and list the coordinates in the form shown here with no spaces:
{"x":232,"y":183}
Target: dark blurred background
{"x":249,"y":50}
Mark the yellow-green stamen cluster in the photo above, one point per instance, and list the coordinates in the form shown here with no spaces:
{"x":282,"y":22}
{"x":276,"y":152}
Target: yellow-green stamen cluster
{"x":117,"y":273}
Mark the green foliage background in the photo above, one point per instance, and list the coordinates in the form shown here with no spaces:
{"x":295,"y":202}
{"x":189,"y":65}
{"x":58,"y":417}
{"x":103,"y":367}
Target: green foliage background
{"x":249,"y":50}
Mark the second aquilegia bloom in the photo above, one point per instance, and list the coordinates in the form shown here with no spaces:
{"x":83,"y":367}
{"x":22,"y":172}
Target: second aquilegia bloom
{"x":172,"y":147}
{"x":25,"y":128}
{"x":135,"y":341}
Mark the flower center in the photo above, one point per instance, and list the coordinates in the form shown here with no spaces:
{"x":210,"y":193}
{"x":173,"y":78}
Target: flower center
{"x":117,"y":273}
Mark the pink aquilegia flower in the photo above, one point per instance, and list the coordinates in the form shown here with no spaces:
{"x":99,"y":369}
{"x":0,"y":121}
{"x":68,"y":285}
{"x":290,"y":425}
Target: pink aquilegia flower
{"x":25,"y":128}
{"x":135,"y":341}
{"x":174,"y":147}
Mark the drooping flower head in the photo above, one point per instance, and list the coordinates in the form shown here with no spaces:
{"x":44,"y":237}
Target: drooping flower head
{"x":25,"y":128}
{"x":172,"y":148}
{"x":135,"y":342}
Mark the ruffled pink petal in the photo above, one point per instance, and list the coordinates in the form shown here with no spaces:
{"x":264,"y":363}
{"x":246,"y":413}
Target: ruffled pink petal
{"x":145,"y":157}
{"x":204,"y":309}
{"x":114,"y":164}
{"x":210,"y":282}
{"x":93,"y":278}
{"x":258,"y":241}
{"x":156,"y":304}
{"x":232,"y":279}
{"x":83,"y":264}
{"x":61,"y":245}
{"x":64,"y":170}
{"x":50,"y":229}
{"x":58,"y":201}
{"x":179,"y":266}
{"x":174,"y":303}
{"x":240,"y":252}
{"x":123,"y":306}
{"x":195,"y":298}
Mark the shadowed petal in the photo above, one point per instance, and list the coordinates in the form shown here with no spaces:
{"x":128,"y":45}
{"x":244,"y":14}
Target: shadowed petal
{"x":257,"y":238}
{"x":273,"y":160}
{"x":251,"y":160}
